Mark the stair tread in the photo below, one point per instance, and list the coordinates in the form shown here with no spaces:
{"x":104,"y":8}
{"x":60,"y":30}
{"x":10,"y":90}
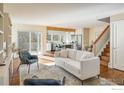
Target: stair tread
{"x":104,"y":63}
{"x":105,"y":58}
{"x":107,"y":51}
{"x":105,"y":54}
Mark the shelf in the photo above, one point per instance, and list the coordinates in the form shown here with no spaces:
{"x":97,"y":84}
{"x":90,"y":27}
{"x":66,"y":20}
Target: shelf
{"x":1,"y":32}
{"x":1,"y":51}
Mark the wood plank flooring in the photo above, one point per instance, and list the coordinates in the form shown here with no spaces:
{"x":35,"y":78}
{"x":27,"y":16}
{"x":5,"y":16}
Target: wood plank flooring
{"x":105,"y":72}
{"x":14,"y":80}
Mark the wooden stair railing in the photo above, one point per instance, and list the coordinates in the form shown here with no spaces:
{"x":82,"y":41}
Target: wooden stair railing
{"x":98,"y":39}
{"x":101,"y":35}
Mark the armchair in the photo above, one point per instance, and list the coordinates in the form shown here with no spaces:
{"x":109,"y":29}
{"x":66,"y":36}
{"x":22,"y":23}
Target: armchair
{"x":27,"y":58}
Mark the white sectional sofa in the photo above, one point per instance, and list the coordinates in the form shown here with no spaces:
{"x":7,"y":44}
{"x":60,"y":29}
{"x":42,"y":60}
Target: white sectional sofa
{"x":82,"y":64}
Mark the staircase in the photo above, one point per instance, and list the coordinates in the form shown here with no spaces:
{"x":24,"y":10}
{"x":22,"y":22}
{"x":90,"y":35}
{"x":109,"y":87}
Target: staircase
{"x":105,"y":55}
{"x":101,"y":46}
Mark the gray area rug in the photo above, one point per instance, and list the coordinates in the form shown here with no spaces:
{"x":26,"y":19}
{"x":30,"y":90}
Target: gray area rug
{"x":55,"y":72}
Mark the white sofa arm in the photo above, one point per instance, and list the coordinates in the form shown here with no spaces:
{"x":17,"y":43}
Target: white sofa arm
{"x":90,"y":67}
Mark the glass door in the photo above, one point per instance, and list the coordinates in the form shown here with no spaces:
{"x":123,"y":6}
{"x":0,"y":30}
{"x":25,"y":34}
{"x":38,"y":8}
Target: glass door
{"x":34,"y":41}
{"x":30,"y":41}
{"x":23,"y":40}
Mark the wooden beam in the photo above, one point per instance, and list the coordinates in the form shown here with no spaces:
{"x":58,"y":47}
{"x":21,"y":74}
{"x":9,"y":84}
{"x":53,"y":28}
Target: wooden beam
{"x":60,"y":29}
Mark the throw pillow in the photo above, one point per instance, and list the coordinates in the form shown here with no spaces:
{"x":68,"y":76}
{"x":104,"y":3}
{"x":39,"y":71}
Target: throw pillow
{"x":86,"y":55}
{"x":72,"y":54}
{"x":64,"y":53}
{"x":78,"y":55}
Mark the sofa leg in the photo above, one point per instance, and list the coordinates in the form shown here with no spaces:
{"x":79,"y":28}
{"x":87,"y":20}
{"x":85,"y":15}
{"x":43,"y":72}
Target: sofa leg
{"x":38,"y":65}
{"x":18,"y":67}
{"x":82,"y":82}
{"x":29,"y":69}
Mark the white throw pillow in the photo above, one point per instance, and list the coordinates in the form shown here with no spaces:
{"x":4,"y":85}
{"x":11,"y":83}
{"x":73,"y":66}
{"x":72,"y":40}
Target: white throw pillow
{"x":86,"y":55}
{"x":78,"y":55}
{"x":64,"y":53}
{"x":72,"y":54}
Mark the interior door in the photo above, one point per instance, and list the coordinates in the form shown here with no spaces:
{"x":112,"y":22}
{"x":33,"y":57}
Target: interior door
{"x":119,"y":45}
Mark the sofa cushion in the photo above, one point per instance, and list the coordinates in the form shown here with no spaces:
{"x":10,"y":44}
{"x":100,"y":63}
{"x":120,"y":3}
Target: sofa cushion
{"x":60,"y":61}
{"x":86,"y":55}
{"x":72,"y":54}
{"x":72,"y":62}
{"x":78,"y":55}
{"x":72,"y":66}
{"x":64,"y":53}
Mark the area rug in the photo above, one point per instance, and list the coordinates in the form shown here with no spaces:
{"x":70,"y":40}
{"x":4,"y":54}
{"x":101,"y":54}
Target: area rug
{"x":55,"y":72}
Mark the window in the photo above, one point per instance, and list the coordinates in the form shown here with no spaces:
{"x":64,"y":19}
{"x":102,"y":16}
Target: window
{"x":55,"y":37}
{"x":49,"y":37}
{"x":34,"y":41}
{"x":23,"y":40}
{"x":30,"y":41}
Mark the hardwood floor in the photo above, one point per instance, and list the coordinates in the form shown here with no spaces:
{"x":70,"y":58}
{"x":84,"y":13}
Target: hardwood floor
{"x":108,"y":73}
{"x":49,"y":53}
{"x":105,"y":72}
{"x":14,"y":80}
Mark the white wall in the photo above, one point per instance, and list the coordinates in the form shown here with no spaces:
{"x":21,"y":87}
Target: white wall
{"x":117,"y":17}
{"x":79,"y":31}
{"x":95,"y":32}
{"x":23,"y":27}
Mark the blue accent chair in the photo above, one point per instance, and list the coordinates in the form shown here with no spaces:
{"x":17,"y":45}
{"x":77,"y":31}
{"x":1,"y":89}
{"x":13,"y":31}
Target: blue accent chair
{"x":27,"y":58}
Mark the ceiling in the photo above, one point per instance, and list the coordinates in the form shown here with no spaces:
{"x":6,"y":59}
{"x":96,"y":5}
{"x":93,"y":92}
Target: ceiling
{"x":61,"y":14}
